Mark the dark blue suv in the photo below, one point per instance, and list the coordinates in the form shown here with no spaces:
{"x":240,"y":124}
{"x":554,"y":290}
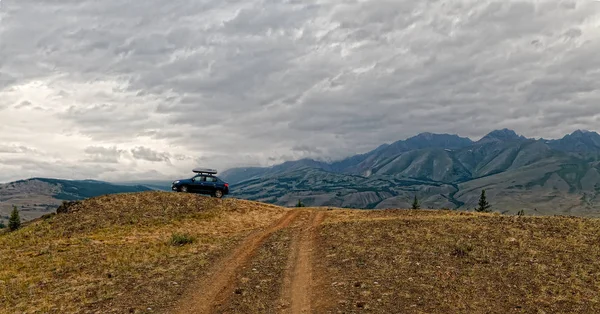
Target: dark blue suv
{"x":204,"y":182}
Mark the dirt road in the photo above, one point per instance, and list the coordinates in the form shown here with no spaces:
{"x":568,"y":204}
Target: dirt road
{"x":213,"y":292}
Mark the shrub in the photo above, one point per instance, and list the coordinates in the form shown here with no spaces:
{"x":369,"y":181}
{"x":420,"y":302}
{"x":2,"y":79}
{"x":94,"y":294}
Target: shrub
{"x":521,"y":213}
{"x":181,"y":239}
{"x":462,"y":250}
{"x":2,"y":225}
{"x":14,"y":222}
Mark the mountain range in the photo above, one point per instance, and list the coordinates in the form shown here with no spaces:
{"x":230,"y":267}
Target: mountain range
{"x":538,"y":176}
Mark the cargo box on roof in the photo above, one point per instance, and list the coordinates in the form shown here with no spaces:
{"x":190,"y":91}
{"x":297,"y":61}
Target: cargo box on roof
{"x":205,"y":170}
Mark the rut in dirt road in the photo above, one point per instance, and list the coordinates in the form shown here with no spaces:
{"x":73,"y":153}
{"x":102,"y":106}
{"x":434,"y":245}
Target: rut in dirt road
{"x":297,"y":284}
{"x":220,"y":283}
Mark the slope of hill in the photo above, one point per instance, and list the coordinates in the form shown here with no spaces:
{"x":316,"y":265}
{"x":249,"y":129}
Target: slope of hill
{"x":159,"y":252}
{"x":443,"y":171}
{"x":38,"y":196}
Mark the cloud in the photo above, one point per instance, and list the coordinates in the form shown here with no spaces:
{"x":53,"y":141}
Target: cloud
{"x":148,"y":154}
{"x":16,"y":149}
{"x":306,"y":149}
{"x":103,"y":154}
{"x":256,"y":82}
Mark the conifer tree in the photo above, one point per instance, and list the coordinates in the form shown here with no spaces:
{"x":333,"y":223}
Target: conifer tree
{"x":415,"y":204}
{"x":14,"y":222}
{"x":484,"y":206}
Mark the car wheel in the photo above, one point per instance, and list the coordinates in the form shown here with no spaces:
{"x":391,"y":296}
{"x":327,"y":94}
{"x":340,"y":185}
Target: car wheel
{"x":183,"y":189}
{"x":218,"y":193}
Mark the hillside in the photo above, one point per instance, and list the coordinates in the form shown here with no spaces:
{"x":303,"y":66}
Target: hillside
{"x":542,"y":177}
{"x":39,"y":196}
{"x":118,"y":254}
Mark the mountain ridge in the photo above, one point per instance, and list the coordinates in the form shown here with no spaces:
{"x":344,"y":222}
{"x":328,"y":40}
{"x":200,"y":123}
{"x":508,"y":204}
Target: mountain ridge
{"x":436,"y":167}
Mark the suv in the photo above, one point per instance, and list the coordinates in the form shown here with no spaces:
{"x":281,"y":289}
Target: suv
{"x":204,"y":182}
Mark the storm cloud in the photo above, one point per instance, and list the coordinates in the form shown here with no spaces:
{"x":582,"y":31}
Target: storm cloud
{"x":155,"y":88}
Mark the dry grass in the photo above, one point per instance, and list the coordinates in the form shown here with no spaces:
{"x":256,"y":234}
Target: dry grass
{"x":448,"y":262}
{"x":113,"y":253}
{"x":139,"y":252}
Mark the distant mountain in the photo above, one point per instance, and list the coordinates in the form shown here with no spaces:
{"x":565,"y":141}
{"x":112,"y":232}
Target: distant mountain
{"x":578,"y":142}
{"x":539,"y":176}
{"x":38,"y":196}
{"x":158,"y":185}
{"x":503,"y":136}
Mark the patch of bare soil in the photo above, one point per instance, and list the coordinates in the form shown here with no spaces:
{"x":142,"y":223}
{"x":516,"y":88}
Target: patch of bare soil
{"x":258,"y":283}
{"x":298,"y":291}
{"x":214,"y":290}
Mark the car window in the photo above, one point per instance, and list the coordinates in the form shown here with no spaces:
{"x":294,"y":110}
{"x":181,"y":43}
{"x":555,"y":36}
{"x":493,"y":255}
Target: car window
{"x":211,"y":179}
{"x":199,"y":179}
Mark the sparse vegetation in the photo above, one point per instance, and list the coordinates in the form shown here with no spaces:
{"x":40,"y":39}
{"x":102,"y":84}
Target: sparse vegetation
{"x":521,"y":213}
{"x":300,"y":204}
{"x":14,"y":222}
{"x":483,"y":205}
{"x":128,"y":253}
{"x":181,"y":239}
{"x":415,"y":204}
{"x":456,"y":262}
{"x":94,"y":260}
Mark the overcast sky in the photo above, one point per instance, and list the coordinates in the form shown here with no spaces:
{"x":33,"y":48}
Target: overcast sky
{"x":117,"y":89}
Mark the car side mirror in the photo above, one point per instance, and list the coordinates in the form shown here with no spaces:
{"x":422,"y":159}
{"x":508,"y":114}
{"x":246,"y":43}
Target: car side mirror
{"x":193,"y":179}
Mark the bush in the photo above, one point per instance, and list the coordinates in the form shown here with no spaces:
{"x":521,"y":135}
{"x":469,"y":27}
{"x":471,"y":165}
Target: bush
{"x":462,"y":250}
{"x":14,"y":222}
{"x":181,"y":239}
{"x":2,"y":225}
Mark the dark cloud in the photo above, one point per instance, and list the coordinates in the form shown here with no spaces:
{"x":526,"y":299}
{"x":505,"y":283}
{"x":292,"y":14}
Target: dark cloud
{"x":229,"y":83}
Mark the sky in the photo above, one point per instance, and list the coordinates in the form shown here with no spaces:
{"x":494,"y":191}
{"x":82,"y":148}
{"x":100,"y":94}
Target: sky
{"x":134,"y":90}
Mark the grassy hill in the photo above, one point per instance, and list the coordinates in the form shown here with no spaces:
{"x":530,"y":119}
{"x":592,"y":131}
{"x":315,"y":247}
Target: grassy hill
{"x":159,"y":252}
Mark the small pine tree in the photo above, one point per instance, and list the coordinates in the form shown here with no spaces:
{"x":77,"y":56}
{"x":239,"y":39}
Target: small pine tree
{"x":484,"y":206}
{"x":300,"y":204}
{"x":415,"y":204}
{"x":14,"y":222}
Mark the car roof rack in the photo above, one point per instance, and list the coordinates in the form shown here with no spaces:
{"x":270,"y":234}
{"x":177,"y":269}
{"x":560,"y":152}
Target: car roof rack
{"x":204,"y":170}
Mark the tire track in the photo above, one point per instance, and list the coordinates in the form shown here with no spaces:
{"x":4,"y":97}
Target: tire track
{"x":296,"y":294}
{"x":220,"y":282}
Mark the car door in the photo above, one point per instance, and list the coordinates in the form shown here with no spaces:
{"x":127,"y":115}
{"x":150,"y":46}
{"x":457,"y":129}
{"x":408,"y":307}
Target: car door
{"x":198,"y":184}
{"x":211,"y":184}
